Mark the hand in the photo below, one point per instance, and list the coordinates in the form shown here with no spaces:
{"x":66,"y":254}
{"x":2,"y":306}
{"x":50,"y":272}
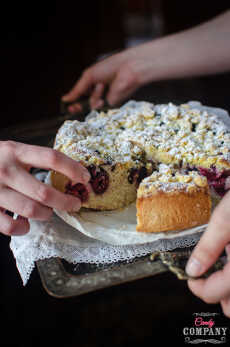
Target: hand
{"x":168,"y":57}
{"x":121,"y":74}
{"x":23,"y":194}
{"x":216,"y":288}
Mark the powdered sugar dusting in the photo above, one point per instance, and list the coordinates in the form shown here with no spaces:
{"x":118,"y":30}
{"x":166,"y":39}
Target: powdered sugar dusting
{"x":169,"y":179}
{"x":164,"y":133}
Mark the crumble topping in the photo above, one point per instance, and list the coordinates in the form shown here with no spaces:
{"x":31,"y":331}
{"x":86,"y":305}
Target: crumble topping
{"x":141,"y":131}
{"x":169,"y":179}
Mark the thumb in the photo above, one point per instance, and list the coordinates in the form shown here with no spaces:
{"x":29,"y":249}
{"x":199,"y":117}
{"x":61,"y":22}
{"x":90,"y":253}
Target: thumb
{"x":213,"y":241}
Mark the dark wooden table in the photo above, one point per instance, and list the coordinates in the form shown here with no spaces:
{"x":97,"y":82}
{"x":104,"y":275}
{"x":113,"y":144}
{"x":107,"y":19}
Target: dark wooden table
{"x":137,"y":313}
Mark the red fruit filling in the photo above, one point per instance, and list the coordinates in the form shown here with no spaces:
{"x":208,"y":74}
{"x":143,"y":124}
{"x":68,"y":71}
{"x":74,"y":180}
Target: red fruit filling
{"x":218,"y":180}
{"x":21,"y":217}
{"x":99,"y":179}
{"x":78,"y":190}
{"x":137,"y":175}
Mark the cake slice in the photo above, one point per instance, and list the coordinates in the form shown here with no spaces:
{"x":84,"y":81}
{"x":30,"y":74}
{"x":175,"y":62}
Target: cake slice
{"x":172,"y":200}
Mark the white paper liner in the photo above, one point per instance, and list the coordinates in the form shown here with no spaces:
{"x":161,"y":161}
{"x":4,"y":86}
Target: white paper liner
{"x":117,"y":227}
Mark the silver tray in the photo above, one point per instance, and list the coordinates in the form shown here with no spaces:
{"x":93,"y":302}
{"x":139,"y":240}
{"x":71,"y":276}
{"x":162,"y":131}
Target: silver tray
{"x":62,"y":280}
{"x":60,"y":283}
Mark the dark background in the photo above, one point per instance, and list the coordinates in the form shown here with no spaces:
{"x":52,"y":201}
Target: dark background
{"x":46,"y":45}
{"x":44,"y":48}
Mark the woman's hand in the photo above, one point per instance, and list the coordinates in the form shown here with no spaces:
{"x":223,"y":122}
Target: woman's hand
{"x":216,"y":288}
{"x":201,"y":50}
{"x":121,"y":74}
{"x":23,"y":194}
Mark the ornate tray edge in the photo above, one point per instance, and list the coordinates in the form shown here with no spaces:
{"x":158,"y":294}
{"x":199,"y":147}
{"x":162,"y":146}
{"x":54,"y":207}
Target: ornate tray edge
{"x":60,"y":284}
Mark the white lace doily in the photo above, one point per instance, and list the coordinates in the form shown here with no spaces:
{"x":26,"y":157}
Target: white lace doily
{"x":57,"y":239}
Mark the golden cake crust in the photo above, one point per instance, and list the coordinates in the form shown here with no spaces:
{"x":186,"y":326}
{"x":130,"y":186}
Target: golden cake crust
{"x":173,"y":211}
{"x":172,"y":200}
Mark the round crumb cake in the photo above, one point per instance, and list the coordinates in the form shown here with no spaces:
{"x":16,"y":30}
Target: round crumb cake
{"x":123,"y":149}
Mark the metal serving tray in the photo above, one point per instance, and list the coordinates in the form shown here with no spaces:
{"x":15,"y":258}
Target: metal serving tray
{"x":61,"y":279}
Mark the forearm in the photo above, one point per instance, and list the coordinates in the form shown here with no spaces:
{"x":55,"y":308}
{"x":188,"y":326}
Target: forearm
{"x":202,"y":50}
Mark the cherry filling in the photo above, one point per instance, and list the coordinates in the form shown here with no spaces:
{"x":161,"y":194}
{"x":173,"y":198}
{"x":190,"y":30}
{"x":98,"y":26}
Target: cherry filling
{"x":99,"y":179}
{"x":78,"y":190}
{"x":218,"y":180}
{"x":137,"y":175}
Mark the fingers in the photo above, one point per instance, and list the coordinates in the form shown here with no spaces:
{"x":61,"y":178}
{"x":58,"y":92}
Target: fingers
{"x":11,"y":227}
{"x":80,"y":88}
{"x":75,"y":108}
{"x":213,"y":289}
{"x":23,"y":194}
{"x":96,"y":99}
{"x":23,"y":206}
{"x":121,"y":76}
{"x":47,"y":158}
{"x":227,"y":251}
{"x":212,"y":241}
{"x":22,"y":182}
{"x":123,"y":85}
{"x":225,"y":303}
